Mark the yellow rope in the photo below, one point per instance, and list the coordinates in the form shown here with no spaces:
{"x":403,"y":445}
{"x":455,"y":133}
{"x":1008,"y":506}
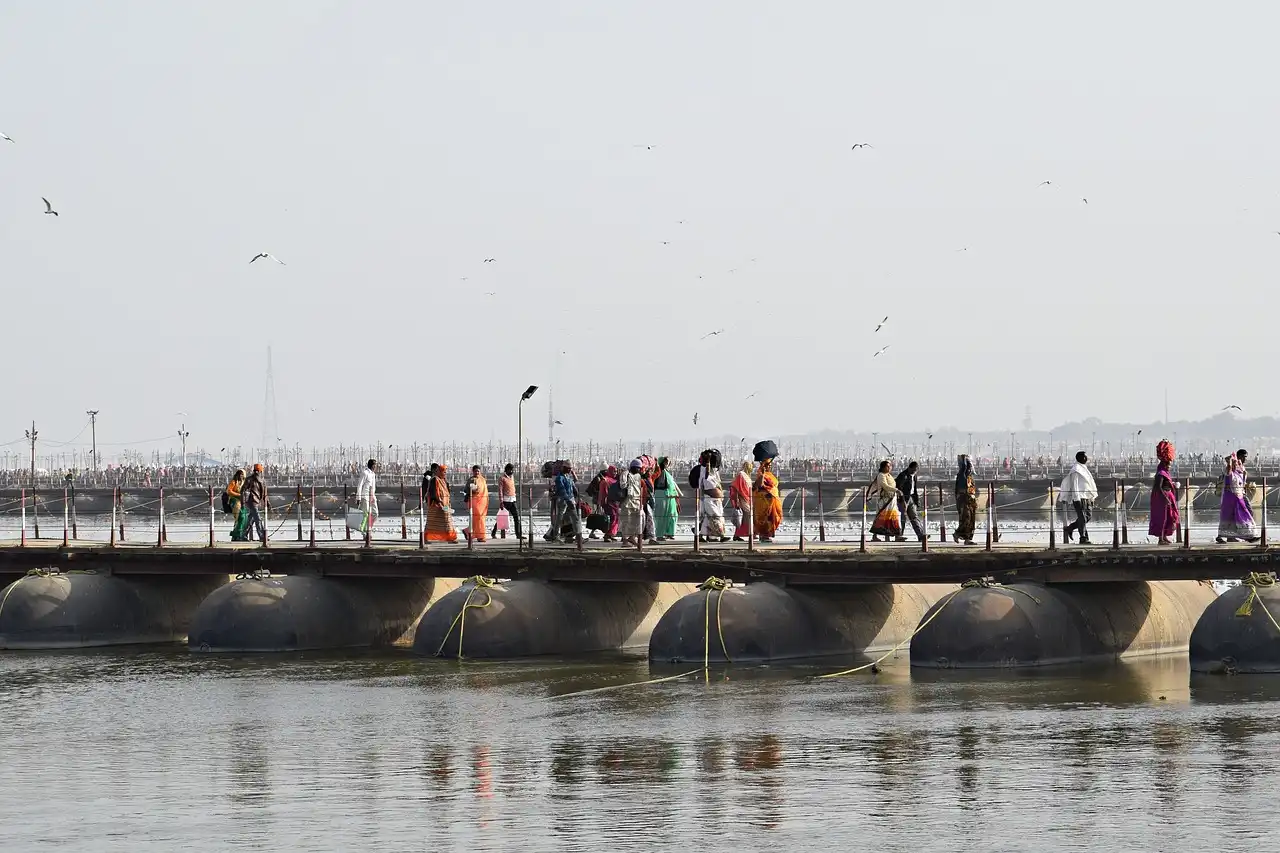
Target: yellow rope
{"x":477,"y":582}
{"x":710,"y":585}
{"x":1254,"y":580}
{"x":984,"y":583}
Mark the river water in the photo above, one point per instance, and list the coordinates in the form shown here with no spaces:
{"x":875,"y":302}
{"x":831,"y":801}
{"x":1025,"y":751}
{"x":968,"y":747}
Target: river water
{"x":158,"y":750}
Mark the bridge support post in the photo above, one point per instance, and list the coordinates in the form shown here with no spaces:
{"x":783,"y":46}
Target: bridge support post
{"x":1115,"y":515}
{"x":1053,"y":521}
{"x":298,"y":502}
{"x":22,"y":537}
{"x":1186,"y":524}
{"x":862,"y":540}
{"x":802,"y":492}
{"x":1263,"y":510}
{"x":751,"y":514}
{"x":115,"y":502}
{"x":346,"y":503}
{"x":995,"y":516}
{"x":404,"y":512}
{"x":160,"y":521}
{"x":942,"y":517}
{"x":313,"y":517}
{"x":990,"y":513}
{"x":1124,"y":517}
{"x":924,"y":521}
{"x":66,"y":519}
{"x":822,"y":516}
{"x":211,"y":516}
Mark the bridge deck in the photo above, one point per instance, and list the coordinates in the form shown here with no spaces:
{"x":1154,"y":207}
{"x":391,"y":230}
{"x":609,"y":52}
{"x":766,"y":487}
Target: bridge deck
{"x":820,"y":563}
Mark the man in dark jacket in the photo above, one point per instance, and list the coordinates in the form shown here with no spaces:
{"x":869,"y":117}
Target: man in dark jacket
{"x":909,"y":498}
{"x":254,"y":493}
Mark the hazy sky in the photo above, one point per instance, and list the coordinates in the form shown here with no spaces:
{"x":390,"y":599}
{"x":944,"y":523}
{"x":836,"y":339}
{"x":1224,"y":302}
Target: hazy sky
{"x":384,"y":149}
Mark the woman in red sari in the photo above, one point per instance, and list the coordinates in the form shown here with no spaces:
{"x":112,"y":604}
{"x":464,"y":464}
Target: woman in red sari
{"x":1164,"y":497}
{"x":768,"y":502}
{"x":439,"y":513}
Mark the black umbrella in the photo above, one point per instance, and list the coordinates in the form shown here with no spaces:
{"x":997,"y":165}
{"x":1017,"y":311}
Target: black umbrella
{"x":764,"y":450}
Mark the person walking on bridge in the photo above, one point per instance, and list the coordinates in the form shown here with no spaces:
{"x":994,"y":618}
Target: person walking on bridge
{"x":766,"y":503}
{"x":1235,"y":519}
{"x":507,"y":496}
{"x":240,"y":517}
{"x":1078,"y":490}
{"x":478,"y":503}
{"x":740,"y":501}
{"x":254,"y":492}
{"x":631,"y":491}
{"x":966,"y":501}
{"x":1164,"y":497}
{"x":367,"y":495}
{"x":887,"y":521}
{"x":666,"y":495}
{"x":439,"y":509}
{"x":909,"y":497}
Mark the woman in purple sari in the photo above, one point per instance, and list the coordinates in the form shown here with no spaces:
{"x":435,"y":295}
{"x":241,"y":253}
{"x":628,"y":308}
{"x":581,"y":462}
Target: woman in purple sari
{"x":1235,"y":520}
{"x":1164,"y":497}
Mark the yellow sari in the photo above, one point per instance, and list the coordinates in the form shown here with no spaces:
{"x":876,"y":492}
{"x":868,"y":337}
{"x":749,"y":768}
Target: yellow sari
{"x":766,"y":504}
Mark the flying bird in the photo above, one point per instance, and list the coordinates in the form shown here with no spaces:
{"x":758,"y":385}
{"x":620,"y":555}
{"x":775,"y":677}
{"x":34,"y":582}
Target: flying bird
{"x":1045,"y":184}
{"x":861,"y":145}
{"x":559,"y":423}
{"x":48,"y":208}
{"x":886,"y":448}
{"x":266,"y":255}
{"x":882,"y":322}
{"x":6,"y":137}
{"x":695,"y":418}
{"x":491,"y":293}
{"x":645,"y":147}
{"x":711,"y":334}
{"x":1237,"y":408}
{"x":489,"y":260}
{"x":666,"y":242}
{"x":1085,"y":200}
{"x":882,"y":349}
{"x":930,"y":436}
{"x":752,"y":394}
{"x":965,"y":249}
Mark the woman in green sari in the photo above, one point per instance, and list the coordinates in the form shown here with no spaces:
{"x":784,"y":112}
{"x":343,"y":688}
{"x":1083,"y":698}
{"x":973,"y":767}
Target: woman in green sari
{"x":238,"y":513}
{"x":666,"y":505}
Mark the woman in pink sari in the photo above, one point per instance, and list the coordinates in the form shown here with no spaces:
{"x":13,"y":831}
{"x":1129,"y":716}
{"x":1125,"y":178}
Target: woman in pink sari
{"x":1164,"y":497}
{"x":740,"y":500}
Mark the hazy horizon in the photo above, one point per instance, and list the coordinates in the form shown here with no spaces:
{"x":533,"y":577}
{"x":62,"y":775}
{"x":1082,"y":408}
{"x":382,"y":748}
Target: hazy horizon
{"x":383,"y":151}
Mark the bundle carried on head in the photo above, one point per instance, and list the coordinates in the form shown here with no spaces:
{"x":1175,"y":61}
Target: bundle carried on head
{"x":1164,"y":451}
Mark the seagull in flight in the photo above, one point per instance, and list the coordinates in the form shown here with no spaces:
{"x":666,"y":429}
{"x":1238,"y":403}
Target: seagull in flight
{"x":1045,"y":184}
{"x":711,"y":334}
{"x":861,"y":145}
{"x":695,"y":418}
{"x":266,"y":255}
{"x":6,"y":137}
{"x":559,"y":423}
{"x":882,"y":349}
{"x":1085,"y":200}
{"x":1237,"y":408}
{"x":48,"y":208}
{"x":489,"y":260}
{"x":491,"y":293}
{"x":882,"y":322}
{"x":645,"y":147}
{"x":749,"y":396}
{"x":666,"y":242}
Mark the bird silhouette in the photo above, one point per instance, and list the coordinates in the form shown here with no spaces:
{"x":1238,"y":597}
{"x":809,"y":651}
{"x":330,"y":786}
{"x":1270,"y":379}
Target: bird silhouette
{"x":48,"y":208}
{"x":929,"y":436}
{"x":6,"y":137}
{"x":491,"y":293}
{"x":1085,"y":200}
{"x":711,"y":334}
{"x":1045,"y":184}
{"x":881,"y":324}
{"x":666,"y":242}
{"x":559,"y":423}
{"x":645,"y":147}
{"x":752,"y":394}
{"x":861,"y":145}
{"x":695,"y":418}
{"x":266,"y":255}
{"x":489,"y":260}
{"x":1237,"y":408}
{"x":882,"y":349}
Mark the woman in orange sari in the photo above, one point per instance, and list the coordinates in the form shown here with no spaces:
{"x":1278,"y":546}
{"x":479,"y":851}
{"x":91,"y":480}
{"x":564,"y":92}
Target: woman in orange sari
{"x":439,"y":512}
{"x":478,"y":501}
{"x":768,"y":503}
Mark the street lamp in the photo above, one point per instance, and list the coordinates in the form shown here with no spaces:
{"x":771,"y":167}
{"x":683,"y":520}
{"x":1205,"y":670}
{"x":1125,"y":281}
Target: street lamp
{"x":528,"y":392}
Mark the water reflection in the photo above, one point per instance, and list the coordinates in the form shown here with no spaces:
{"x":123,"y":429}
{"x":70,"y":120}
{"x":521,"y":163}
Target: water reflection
{"x":394,"y":752}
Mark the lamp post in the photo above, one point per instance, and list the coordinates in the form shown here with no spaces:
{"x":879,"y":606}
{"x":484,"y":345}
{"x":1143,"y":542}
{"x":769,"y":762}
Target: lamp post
{"x":528,"y":392}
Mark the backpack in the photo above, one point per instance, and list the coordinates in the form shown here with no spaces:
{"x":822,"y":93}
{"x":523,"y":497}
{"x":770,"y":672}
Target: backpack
{"x":695,"y":476}
{"x":617,"y":492}
{"x":226,"y":501}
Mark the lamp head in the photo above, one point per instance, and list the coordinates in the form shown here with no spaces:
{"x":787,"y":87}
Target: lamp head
{"x":529,"y":392}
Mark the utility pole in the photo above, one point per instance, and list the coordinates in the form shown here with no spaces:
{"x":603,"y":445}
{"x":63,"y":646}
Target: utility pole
{"x":93,"y":437}
{"x":182,"y":434}
{"x":31,"y":437}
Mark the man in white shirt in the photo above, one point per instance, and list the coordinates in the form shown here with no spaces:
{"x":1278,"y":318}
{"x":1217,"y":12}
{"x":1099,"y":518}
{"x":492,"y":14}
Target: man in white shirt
{"x":366,"y":492}
{"x":1079,"y":490}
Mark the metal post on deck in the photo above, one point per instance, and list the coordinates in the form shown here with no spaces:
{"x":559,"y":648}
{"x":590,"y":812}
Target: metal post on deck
{"x":924,"y":521}
{"x":160,"y":520}
{"x":22,"y":537}
{"x":115,"y":500}
{"x":1263,"y":510}
{"x":422,"y":520}
{"x":211,"y":516}
{"x":942,"y":516}
{"x":995,"y":516}
{"x":862,"y":540}
{"x":66,"y":519}
{"x":120,"y":503}
{"x":751,"y":513}
{"x":990,"y":492}
{"x":822,"y":516}
{"x":298,"y":502}
{"x":1124,"y":514}
{"x":1053,"y":521}
{"x":313,"y":517}
{"x":1186,"y":526}
{"x":266,"y":522}
{"x":35,"y":511}
{"x":346,"y":504}
{"x":1115,"y":516}
{"x":404,"y":512}
{"x":697,"y":513}
{"x":802,"y":493}
{"x":530,"y":517}
{"x":75,"y":522}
